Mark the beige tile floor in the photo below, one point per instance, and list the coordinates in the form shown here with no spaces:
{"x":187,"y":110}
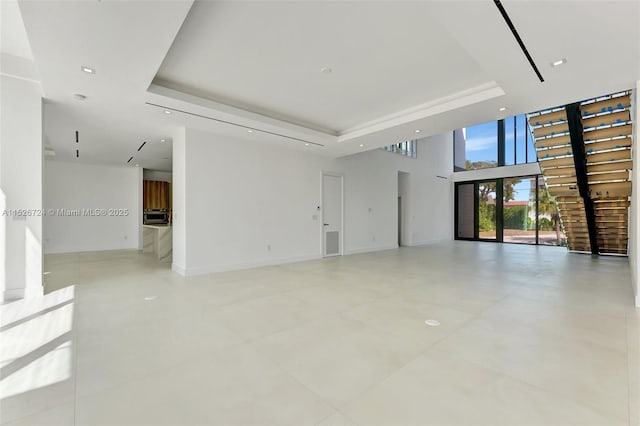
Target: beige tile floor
{"x":528,"y":336}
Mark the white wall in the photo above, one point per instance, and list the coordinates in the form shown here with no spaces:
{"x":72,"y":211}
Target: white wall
{"x":73,"y":186}
{"x":234,"y":199}
{"x":179,"y":208}
{"x":20,"y":187}
{"x":371,"y":182}
{"x":498,"y":172}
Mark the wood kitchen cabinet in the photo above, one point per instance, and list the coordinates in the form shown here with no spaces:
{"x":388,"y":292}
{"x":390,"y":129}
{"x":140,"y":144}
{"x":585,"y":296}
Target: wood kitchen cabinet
{"x":155,"y":194}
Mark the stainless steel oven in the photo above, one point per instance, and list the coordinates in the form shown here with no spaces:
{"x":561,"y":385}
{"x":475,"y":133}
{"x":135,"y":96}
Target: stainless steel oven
{"x":156,"y":217}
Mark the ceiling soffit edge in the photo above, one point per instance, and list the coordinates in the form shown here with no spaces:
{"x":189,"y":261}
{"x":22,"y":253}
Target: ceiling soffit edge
{"x":477,"y":94}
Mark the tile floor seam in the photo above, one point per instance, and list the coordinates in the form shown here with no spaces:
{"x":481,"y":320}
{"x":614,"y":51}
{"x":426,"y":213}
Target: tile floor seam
{"x":352,"y":423}
{"x":145,"y":376}
{"x":559,"y":395}
{"x":350,"y":266}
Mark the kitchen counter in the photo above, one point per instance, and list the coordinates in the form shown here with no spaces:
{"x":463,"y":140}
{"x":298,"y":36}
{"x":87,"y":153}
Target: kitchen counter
{"x":157,"y":239}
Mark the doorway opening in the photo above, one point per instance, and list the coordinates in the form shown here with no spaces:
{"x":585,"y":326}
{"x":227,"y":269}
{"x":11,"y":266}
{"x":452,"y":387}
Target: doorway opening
{"x":404,"y":231}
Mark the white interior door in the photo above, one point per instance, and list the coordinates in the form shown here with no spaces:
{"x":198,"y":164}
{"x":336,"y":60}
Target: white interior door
{"x":332,"y":215}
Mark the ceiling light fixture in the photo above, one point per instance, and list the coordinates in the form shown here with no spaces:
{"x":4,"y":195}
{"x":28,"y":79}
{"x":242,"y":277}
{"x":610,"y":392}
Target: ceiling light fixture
{"x":326,"y":70}
{"x":249,"y":131}
{"x":559,"y":62}
{"x":361,"y":145}
{"x":88,"y":70}
{"x":166,"y":111}
{"x":306,"y":144}
{"x":137,"y":165}
{"x":418,"y":130}
{"x":162,"y":140}
{"x":502,"y":109}
{"x":432,"y":322}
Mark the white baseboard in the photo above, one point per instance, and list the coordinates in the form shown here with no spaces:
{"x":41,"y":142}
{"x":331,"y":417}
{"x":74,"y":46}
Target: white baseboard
{"x":65,"y":250}
{"x":427,"y":242}
{"x":371,"y":249}
{"x":13,"y":294}
{"x":202,"y":270}
{"x":179,"y":269}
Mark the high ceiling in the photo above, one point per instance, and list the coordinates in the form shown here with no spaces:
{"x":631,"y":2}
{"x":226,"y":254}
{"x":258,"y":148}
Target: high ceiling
{"x":230,"y":67}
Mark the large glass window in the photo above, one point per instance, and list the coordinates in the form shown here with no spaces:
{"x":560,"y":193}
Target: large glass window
{"x":496,"y":143}
{"x":481,"y":146}
{"x":510,"y":210}
{"x":487,"y":210}
{"x":406,"y":148}
{"x":519,"y":210}
{"x":549,"y":227}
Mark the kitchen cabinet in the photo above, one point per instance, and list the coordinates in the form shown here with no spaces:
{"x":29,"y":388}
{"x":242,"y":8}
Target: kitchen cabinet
{"x":156,"y":194}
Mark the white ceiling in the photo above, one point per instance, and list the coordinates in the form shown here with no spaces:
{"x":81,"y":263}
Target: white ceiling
{"x":267,"y":57}
{"x":13,"y":37}
{"x":229,"y":66}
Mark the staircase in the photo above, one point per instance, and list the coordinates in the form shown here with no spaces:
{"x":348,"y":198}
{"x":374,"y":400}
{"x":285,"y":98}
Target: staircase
{"x":584,"y":152}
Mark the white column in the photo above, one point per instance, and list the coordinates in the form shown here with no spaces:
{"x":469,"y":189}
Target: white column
{"x":179,"y":264}
{"x":21,"y":156}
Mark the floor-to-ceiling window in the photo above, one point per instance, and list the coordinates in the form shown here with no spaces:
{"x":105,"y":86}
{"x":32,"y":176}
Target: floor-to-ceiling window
{"x":519,"y":209}
{"x":505,"y":142}
{"x":510,"y":210}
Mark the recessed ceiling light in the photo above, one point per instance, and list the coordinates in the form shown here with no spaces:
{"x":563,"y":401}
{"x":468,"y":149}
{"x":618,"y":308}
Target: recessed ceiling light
{"x":249,"y":131}
{"x":432,"y":322}
{"x":166,"y":111}
{"x":418,"y":130}
{"x":558,"y":62}
{"x":137,"y":165}
{"x":502,"y":109}
{"x":326,"y":70}
{"x":87,"y":69}
{"x":162,"y":140}
{"x":306,"y":144}
{"x":150,"y":298}
{"x":361,"y":145}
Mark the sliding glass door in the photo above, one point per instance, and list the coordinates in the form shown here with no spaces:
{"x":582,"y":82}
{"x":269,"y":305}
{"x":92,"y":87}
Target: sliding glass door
{"x":487,"y":210}
{"x":511,"y":210}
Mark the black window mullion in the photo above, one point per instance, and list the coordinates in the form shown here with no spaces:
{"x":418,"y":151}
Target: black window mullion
{"x":499,"y":210}
{"x":501,"y":150}
{"x":526,"y":142}
{"x":515,"y":141}
{"x":476,"y":213}
{"x":537,"y":210}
